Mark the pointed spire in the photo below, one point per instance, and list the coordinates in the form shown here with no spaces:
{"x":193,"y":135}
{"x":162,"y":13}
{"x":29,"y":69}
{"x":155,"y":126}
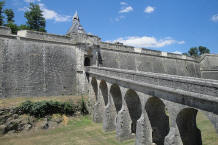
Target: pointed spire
{"x":76,"y":16}
{"x":76,"y":26}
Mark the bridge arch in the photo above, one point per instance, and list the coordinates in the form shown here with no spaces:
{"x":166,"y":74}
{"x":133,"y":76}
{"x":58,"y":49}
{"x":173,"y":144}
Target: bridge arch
{"x":159,"y":121}
{"x":94,"y":84}
{"x":116,"y":96}
{"x":134,"y":106}
{"x":186,"y":122}
{"x":104,"y":91}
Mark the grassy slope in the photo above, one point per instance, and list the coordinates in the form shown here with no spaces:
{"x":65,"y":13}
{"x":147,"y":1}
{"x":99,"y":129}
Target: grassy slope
{"x":9,"y":102}
{"x":79,"y":131}
{"x":208,"y":132}
{"x":82,"y":131}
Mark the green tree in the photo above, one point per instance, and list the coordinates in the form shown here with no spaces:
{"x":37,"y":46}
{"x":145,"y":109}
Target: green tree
{"x":10,"y":15}
{"x":23,"y":27}
{"x":14,"y":28}
{"x":10,"y":20}
{"x":197,"y":51}
{"x":35,"y":19}
{"x":193,"y":51}
{"x":2,"y":3}
{"x":203,"y":50}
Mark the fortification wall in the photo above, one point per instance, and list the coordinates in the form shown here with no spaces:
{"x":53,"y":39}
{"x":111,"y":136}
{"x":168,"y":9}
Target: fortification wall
{"x":37,"y":67}
{"x":209,"y":66}
{"x":126,"y":57}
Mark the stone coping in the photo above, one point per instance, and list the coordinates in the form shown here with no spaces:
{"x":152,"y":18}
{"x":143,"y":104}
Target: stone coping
{"x":124,"y":48}
{"x":192,"y":84}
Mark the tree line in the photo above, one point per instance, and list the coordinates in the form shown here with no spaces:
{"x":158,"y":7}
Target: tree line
{"x":197,"y":51}
{"x":34,"y":18}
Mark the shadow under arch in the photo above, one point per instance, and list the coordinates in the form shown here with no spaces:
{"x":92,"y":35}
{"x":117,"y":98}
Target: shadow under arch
{"x":95,"y":87}
{"x":117,"y":97}
{"x":104,"y":91}
{"x":186,"y":122}
{"x":87,"y":61}
{"x":134,"y":106}
{"x":159,"y":121}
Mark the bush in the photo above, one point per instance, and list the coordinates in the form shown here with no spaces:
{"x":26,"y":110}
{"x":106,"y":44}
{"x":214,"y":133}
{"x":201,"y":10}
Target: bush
{"x":83,"y":108}
{"x":43,"y":108}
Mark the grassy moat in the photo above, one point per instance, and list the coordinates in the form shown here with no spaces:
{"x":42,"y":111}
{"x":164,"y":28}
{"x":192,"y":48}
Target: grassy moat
{"x":80,"y":130}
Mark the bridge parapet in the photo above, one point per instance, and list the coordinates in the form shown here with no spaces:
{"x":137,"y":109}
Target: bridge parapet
{"x":190,"y":84}
{"x":193,"y":92}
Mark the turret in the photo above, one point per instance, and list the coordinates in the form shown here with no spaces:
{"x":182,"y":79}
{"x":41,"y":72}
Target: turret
{"x":76,"y":26}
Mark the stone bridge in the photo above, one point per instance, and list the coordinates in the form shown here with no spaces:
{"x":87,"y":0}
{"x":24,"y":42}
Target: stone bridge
{"x":155,"y":108}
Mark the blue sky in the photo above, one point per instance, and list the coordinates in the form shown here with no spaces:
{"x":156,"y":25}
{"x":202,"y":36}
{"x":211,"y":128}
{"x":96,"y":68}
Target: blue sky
{"x":166,"y":25}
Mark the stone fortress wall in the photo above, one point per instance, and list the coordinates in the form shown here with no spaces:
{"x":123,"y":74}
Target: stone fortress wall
{"x":41,"y":64}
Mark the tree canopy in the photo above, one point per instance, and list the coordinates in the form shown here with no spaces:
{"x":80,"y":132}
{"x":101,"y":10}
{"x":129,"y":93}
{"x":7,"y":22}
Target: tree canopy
{"x":35,"y":19}
{"x":197,"y":51}
{"x":10,"y":15}
{"x":2,"y":3}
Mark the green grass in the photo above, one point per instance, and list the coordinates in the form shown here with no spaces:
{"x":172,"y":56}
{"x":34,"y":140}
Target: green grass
{"x":79,"y":131}
{"x":208,"y":132}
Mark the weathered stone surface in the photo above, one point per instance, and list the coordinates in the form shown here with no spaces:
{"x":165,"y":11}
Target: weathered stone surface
{"x":2,"y":130}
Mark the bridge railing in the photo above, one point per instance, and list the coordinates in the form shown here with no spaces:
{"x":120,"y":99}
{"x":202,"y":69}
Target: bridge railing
{"x":189,"y":84}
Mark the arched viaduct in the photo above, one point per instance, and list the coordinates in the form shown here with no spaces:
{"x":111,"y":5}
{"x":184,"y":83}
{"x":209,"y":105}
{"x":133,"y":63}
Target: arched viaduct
{"x":155,"y":108}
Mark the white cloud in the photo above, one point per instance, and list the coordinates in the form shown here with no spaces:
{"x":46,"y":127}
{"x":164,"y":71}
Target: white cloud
{"x":181,"y":42}
{"x":215,"y":18}
{"x":149,"y":9}
{"x":23,"y":9}
{"x":52,"y":15}
{"x":117,"y":19}
{"x":123,"y":3}
{"x":126,"y":9}
{"x":146,"y":41}
{"x":177,"y":52}
{"x":31,"y":1}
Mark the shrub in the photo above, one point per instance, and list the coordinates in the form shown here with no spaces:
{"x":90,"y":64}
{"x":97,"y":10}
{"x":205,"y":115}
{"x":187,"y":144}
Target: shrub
{"x":83,"y":108}
{"x":43,"y":108}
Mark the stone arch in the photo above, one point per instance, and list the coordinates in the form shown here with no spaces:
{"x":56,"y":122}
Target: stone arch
{"x":134,"y":106}
{"x":117,"y":97}
{"x":104,"y":91}
{"x":159,"y":121}
{"x":186,"y":122}
{"x":94,"y":84}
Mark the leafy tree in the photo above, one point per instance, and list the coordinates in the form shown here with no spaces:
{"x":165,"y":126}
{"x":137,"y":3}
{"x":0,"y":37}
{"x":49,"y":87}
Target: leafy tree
{"x":203,"y":50}
{"x":23,"y":27}
{"x":193,"y":51}
{"x":10,"y":15}
{"x":10,"y":20}
{"x":35,"y":19}
{"x":2,"y":3}
{"x":197,"y":51}
{"x":14,"y":28}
